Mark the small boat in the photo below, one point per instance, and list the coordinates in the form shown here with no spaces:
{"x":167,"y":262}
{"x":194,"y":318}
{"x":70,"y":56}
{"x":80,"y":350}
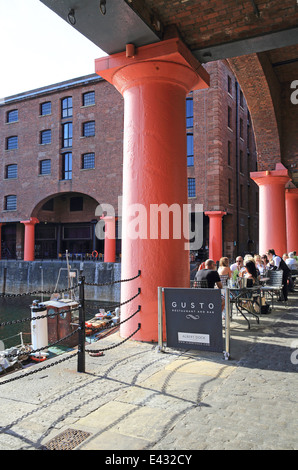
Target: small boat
{"x":101,"y":321}
{"x":12,"y":358}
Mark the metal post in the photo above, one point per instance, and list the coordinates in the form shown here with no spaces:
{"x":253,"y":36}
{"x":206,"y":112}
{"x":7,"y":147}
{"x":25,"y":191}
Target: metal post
{"x":160,"y":322}
{"x":227,"y":324}
{"x":82,"y":337}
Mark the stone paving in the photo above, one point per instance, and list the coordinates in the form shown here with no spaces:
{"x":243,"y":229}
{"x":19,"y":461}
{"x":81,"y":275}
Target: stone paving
{"x":136,"y":398}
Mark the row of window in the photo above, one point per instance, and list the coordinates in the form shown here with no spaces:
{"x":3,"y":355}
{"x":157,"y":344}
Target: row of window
{"x":75,"y":204}
{"x":88,"y":130}
{"x":10,"y":202}
{"x":45,"y":109}
{"x":87,"y":162}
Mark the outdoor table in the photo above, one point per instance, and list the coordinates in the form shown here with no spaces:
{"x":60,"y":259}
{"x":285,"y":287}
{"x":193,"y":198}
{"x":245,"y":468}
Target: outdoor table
{"x":245,"y":298}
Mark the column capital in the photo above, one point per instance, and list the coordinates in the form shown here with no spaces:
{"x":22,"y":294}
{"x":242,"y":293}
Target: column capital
{"x":292,"y":193}
{"x":278,"y":176}
{"x":154,"y":61}
{"x":31,"y":221}
{"x":215,"y":213}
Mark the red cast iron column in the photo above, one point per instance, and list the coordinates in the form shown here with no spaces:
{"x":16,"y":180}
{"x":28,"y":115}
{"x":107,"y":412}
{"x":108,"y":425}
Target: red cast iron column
{"x":215,"y":234}
{"x":154,"y":81}
{"x":29,"y":242}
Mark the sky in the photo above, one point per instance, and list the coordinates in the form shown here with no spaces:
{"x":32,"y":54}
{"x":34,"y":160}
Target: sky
{"x":38,"y":48}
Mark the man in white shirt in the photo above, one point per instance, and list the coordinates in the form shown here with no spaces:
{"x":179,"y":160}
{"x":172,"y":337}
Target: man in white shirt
{"x":238,"y":265}
{"x":275,"y":262}
{"x":291,"y":261}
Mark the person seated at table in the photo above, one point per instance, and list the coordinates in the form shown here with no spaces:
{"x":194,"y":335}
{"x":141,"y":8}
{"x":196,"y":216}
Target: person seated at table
{"x":224,"y":270}
{"x":291,"y":261}
{"x":251,"y":274}
{"x":265,"y":260}
{"x":209,"y":274}
{"x":260,"y":265}
{"x":277,"y":263}
{"x":238,"y":265}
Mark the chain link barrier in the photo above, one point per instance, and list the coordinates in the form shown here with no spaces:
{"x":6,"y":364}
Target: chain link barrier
{"x":80,"y":330}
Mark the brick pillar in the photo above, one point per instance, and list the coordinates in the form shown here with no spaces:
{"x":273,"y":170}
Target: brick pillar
{"x":110,"y":239}
{"x":215,"y":234}
{"x":29,"y":242}
{"x":154,"y":81}
{"x":272,"y":209}
{"x":292,"y":219}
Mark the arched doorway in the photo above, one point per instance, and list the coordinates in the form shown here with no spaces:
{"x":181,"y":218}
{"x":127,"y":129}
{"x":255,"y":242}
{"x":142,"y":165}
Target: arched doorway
{"x":66,"y":222}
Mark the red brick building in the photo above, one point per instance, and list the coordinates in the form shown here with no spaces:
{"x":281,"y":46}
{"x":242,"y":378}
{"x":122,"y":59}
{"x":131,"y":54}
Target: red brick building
{"x":61,"y":156}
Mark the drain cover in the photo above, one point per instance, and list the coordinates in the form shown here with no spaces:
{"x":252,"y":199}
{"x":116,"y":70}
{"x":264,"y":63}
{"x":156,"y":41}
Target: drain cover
{"x":67,"y":440}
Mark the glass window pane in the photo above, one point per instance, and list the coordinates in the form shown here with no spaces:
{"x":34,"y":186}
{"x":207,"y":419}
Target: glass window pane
{"x":88,"y":160}
{"x":191,"y":187}
{"x":46,"y":108}
{"x":11,"y":171}
{"x":66,"y":107}
{"x":12,"y":142}
{"x":46,"y":136}
{"x":13,"y":116}
{"x":11,"y":203}
{"x":45,"y":167}
{"x":89,"y":129}
{"x":89,"y":98}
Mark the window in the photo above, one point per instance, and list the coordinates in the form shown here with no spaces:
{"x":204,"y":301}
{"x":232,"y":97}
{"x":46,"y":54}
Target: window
{"x":45,"y":167}
{"x":88,"y":161}
{"x":12,"y":116}
{"x":46,"y":137}
{"x":229,"y":117}
{"x":229,"y":153}
{"x":12,"y":142}
{"x":241,"y":195}
{"x":241,"y":99}
{"x":66,"y":107}
{"x":76,"y":204}
{"x":67,"y":135}
{"x":45,"y":108}
{"x":89,"y":98}
{"x":191,"y":187}
{"x":189,"y":142}
{"x":11,"y":171}
{"x":189,"y":112}
{"x":229,"y":85}
{"x":241,"y":128}
{"x":89,"y":129}
{"x":10,"y":203}
{"x":230,"y":191}
{"x":241,"y":161}
{"x":67,"y":166}
{"x":72,"y":232}
{"x":48,"y":206}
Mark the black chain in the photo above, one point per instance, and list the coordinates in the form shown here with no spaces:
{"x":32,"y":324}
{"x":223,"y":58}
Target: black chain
{"x":39,"y":369}
{"x":114,"y":345}
{"x":118,"y":324}
{"x":39,"y":317}
{"x":113,"y":282}
{"x":37,"y":292}
{"x":45,"y":347}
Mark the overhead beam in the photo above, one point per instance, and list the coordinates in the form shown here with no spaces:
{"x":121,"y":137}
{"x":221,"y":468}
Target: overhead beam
{"x":109,"y":24}
{"x":247,"y":46}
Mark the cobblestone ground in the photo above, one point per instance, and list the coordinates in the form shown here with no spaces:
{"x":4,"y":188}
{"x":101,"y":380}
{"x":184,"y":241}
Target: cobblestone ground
{"x":135,"y":397}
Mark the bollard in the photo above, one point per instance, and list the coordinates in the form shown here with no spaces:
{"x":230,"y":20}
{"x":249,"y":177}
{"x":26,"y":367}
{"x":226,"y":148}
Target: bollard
{"x":82,"y":336}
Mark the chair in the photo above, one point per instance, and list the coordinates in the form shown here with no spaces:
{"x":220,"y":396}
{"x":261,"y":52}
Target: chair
{"x":274,"y":285}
